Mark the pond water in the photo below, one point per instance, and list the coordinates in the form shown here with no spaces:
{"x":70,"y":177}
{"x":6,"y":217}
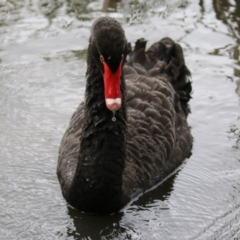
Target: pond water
{"x":42,"y":80}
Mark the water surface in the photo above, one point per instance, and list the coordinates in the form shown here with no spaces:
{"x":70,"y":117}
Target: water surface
{"x":42,"y":68}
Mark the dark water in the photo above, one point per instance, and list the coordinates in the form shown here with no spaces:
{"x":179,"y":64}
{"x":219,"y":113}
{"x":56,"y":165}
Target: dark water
{"x":42,"y":67}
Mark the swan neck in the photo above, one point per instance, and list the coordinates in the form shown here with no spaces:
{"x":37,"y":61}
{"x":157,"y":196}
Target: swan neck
{"x":102,"y":149}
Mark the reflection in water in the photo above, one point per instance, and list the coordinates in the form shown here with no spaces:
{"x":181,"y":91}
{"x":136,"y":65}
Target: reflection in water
{"x":109,"y":5}
{"x":49,"y":8}
{"x":159,"y":193}
{"x":114,"y":227}
{"x":229,"y":14}
{"x":201,"y":4}
{"x":42,"y":52}
{"x":79,"y":8}
{"x":133,"y":10}
{"x":92,"y":227}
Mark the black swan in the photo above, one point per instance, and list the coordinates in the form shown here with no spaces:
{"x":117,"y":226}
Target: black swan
{"x":131,"y":130}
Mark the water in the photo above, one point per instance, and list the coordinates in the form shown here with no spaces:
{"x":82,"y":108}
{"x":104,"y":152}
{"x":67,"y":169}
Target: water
{"x":42,"y":67}
{"x":113,"y":117}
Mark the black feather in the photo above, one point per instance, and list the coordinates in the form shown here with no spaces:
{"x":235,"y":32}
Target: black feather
{"x":103,"y":163}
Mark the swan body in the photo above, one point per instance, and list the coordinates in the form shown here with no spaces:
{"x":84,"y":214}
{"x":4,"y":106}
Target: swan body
{"x":115,"y":149}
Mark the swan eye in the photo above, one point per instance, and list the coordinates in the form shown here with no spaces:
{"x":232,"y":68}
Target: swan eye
{"x":102,"y":59}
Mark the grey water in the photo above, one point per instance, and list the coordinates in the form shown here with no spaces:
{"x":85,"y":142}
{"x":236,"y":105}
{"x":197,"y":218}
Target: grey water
{"x":42,"y":79}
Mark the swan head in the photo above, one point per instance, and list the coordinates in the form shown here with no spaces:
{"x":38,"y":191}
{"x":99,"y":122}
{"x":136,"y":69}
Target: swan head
{"x":109,"y":48}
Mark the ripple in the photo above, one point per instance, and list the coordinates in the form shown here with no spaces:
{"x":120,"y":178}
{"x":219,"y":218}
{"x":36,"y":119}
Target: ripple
{"x":42,"y":56}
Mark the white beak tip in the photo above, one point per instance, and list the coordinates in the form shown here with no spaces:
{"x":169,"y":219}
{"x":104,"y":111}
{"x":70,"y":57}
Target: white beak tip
{"x":113,"y":104}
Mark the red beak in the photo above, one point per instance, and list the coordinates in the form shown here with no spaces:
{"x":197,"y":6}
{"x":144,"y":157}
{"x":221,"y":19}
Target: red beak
{"x":112,"y":91}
